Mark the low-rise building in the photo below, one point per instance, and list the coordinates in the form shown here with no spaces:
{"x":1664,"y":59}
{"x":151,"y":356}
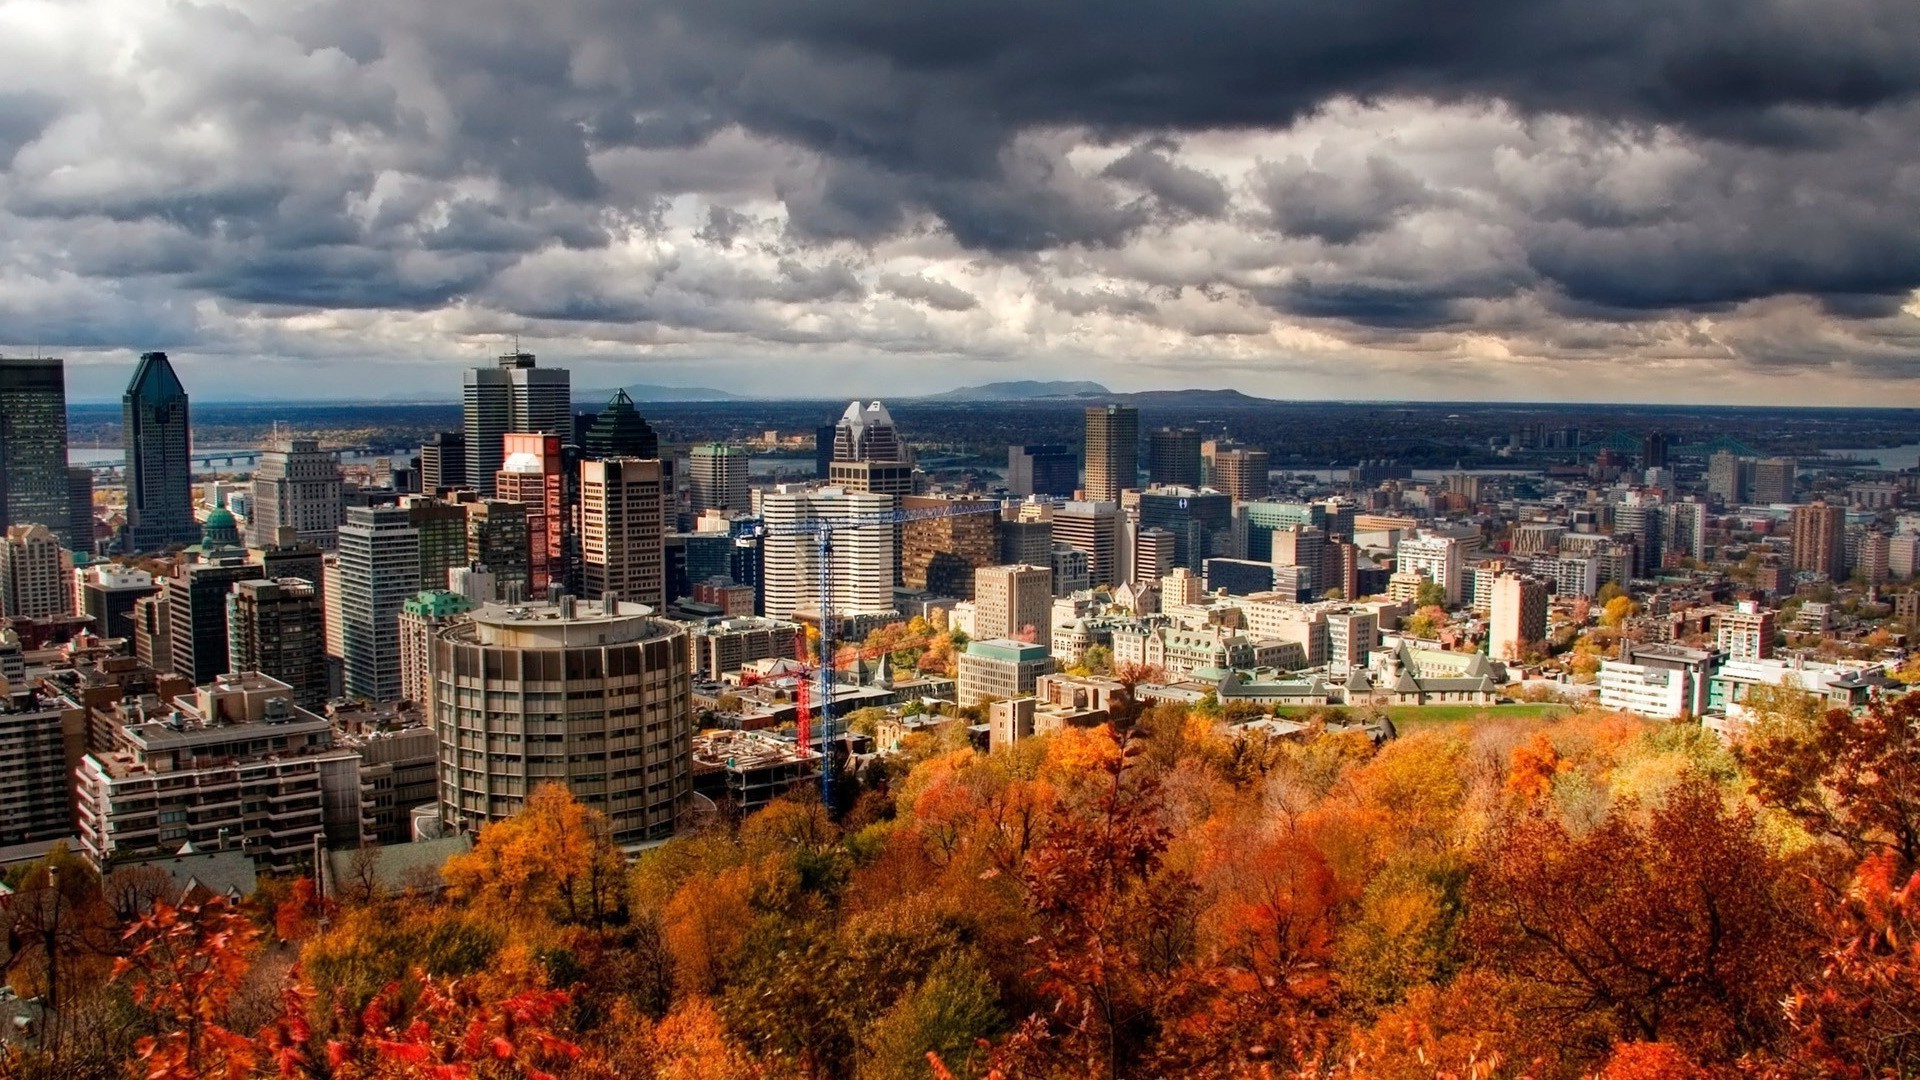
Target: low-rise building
{"x":1001,"y":669}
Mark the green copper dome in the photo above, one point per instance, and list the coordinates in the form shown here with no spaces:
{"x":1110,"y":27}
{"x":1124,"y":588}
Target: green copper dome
{"x":220,"y":530}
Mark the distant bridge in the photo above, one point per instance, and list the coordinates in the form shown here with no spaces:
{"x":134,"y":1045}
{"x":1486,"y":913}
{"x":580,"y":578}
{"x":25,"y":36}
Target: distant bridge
{"x":206,"y":461}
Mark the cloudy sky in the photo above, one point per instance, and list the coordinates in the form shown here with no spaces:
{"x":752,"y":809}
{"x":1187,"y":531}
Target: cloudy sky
{"x":1712,"y":200}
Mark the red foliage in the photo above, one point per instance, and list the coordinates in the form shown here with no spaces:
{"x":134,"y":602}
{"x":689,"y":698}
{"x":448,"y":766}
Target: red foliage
{"x":453,"y":1030}
{"x":184,"y":964}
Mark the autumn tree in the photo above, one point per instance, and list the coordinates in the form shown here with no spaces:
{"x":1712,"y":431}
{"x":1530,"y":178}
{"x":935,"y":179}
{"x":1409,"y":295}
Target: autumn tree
{"x":556,"y":856}
{"x":455,"y":1029}
{"x":184,"y":965}
{"x":1852,"y":777}
{"x":1860,"y":1015}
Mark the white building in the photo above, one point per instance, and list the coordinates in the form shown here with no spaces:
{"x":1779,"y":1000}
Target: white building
{"x":1436,"y":558}
{"x":862,"y":554}
{"x":1659,"y":693}
{"x":297,"y":485}
{"x":379,"y":571}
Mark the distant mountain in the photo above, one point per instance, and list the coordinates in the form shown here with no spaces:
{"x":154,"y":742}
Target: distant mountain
{"x":1022,"y":390}
{"x":651,"y":392}
{"x":1191,"y":397}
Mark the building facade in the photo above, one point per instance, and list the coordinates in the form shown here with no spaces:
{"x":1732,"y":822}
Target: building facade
{"x":297,"y":485}
{"x":379,"y":570}
{"x":623,"y":527}
{"x":1014,"y":602}
{"x":1113,"y":451}
{"x":516,"y":394}
{"x":36,"y":573}
{"x":719,"y":478}
{"x":1517,"y":620}
{"x":278,"y":629}
{"x":158,"y":434}
{"x":35,"y":487}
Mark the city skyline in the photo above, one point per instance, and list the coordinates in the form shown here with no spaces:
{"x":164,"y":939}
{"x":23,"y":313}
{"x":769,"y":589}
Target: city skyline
{"x":1556,"y":203}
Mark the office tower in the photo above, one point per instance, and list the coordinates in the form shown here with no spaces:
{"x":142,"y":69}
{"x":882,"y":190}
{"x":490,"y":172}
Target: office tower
{"x":1746,"y":632}
{"x":1256,"y":521}
{"x":498,"y":536}
{"x":36,"y":574}
{"x":153,"y":632}
{"x":1240,"y":472}
{"x":619,"y":431}
{"x":598,"y":700}
{"x":287,"y":557}
{"x":1092,"y":527}
{"x":1653,"y":450}
{"x":1001,"y":670}
{"x":1042,"y":469}
{"x":514,"y":395}
{"x":823,"y":450}
{"x":862,"y":558}
{"x":623,"y":524}
{"x":379,"y":570}
{"x":532,"y":476}
{"x":107,"y":595}
{"x":443,"y":538}
{"x":1026,"y":539}
{"x":298,"y":486}
{"x":868,"y":454}
{"x":1820,"y":539}
{"x":1305,"y":547}
{"x":443,"y":463}
{"x":197,"y":614}
{"x":34,"y":485}
{"x":159,"y":468}
{"x":1773,"y":480}
{"x":277,"y":628}
{"x":1435,"y":558}
{"x":1726,"y":476}
{"x":1113,"y":451}
{"x":43,"y":736}
{"x":940,"y":554}
{"x":1173,"y":457}
{"x":719,"y":478}
{"x":1518,"y":619}
{"x":1014,"y":602}
{"x":80,"y":520}
{"x":235,"y":764}
{"x":1201,"y":522}
{"x":1153,"y":555}
{"x":422,"y":617}
{"x":1644,"y":525}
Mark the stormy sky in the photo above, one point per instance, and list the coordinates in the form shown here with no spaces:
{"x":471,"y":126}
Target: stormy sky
{"x":1701,"y":200}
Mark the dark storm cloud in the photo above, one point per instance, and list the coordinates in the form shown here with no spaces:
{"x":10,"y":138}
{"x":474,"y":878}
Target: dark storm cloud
{"x":1339,"y":207}
{"x":1177,"y":187}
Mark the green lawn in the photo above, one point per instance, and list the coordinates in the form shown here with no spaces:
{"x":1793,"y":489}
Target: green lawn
{"x":1408,"y":718}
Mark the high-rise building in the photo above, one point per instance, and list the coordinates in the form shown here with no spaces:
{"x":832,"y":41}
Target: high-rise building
{"x":533,"y":476}
{"x":623,"y":526}
{"x":619,"y":431}
{"x":297,"y":485}
{"x":34,"y":486}
{"x":1092,"y":527}
{"x":862,"y":557}
{"x":1870,"y":555}
{"x":868,"y":453}
{"x":940,"y":554}
{"x":379,"y":570}
{"x":1773,"y":480}
{"x":107,"y":594}
{"x":1173,"y":457}
{"x":155,"y":425}
{"x":1026,"y":538}
{"x":1201,"y":522}
{"x":719,"y":478}
{"x":443,"y":463}
{"x":1727,"y":476}
{"x":153,"y":632}
{"x":1685,"y":529}
{"x":1014,"y":602}
{"x":1518,"y":619}
{"x":498,"y":536}
{"x":1746,"y":632}
{"x":1644,"y":524}
{"x":514,"y":395}
{"x":277,"y":628}
{"x":197,"y":613}
{"x":1241,"y":472}
{"x":1153,"y":555}
{"x":1042,"y":469}
{"x":443,"y":538}
{"x":1653,"y":450}
{"x":1820,"y":539}
{"x":598,"y":700}
{"x":36,"y":573}
{"x":422,"y":618}
{"x":1435,"y":558}
{"x":1113,"y":451}
{"x":81,"y":526}
{"x":43,"y":736}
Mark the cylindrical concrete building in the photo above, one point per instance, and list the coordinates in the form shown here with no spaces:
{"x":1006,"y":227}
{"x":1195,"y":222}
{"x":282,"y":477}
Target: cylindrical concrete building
{"x":567,"y":692}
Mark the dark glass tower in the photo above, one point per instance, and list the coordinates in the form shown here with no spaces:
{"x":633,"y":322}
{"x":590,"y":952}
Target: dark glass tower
{"x":33,"y":445}
{"x":159,"y":472}
{"x":620,"y":431}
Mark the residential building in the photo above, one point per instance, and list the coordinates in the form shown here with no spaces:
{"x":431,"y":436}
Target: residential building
{"x":43,"y":735}
{"x":1685,"y":530}
{"x":516,"y":395}
{"x":379,"y":570}
{"x":278,"y":629}
{"x":443,"y":463}
{"x":719,"y":478}
{"x":1872,"y":557}
{"x":1435,"y":558}
{"x":1001,"y":669}
{"x":624,"y":503}
{"x":1727,"y":476}
{"x":1643,"y":525}
{"x":1820,"y":539}
{"x":1042,"y":469}
{"x":297,"y":485}
{"x":594,"y":696}
{"x":234,"y":765}
{"x":1173,"y":458}
{"x":1903,"y":555}
{"x":1112,"y":451}
{"x":723,"y":647}
{"x":154,"y":423}
{"x":862,"y":557}
{"x":36,"y":573}
{"x":1014,"y":602}
{"x":1773,"y":480}
{"x":1518,"y":620}
{"x":1572,"y":575}
{"x":1746,"y":632}
{"x":35,"y":487}
{"x":422,"y":617}
{"x":1092,"y":527}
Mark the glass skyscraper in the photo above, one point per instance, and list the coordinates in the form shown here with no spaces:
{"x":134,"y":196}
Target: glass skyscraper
{"x":34,"y":486}
{"x":159,"y":468}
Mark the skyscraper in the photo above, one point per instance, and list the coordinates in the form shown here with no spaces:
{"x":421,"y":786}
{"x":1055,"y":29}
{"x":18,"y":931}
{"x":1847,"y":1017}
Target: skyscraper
{"x":1093,"y":528}
{"x":1173,"y":457}
{"x":80,"y":527}
{"x":1238,"y":471}
{"x":623,"y":526}
{"x":620,"y":431}
{"x":379,"y":570}
{"x":443,"y":538}
{"x":868,"y":454}
{"x":514,"y":395}
{"x":1042,"y":469}
{"x":1773,"y":480}
{"x":720,"y":478}
{"x":159,"y":466}
{"x":443,"y":463}
{"x":862,"y":557}
{"x":197,"y":614}
{"x":34,"y":487}
{"x":1201,"y":523}
{"x":36,"y":573}
{"x":940,"y":554}
{"x":298,"y":485}
{"x":1820,"y":539}
{"x":1113,"y":451}
{"x":532,"y":476}
{"x":1653,"y":450}
{"x":277,"y":629}
{"x":1518,"y":619}
{"x":498,"y":537}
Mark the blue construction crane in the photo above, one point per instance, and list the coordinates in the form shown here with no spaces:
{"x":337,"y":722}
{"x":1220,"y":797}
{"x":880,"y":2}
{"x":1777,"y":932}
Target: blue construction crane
{"x":823,"y":530}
